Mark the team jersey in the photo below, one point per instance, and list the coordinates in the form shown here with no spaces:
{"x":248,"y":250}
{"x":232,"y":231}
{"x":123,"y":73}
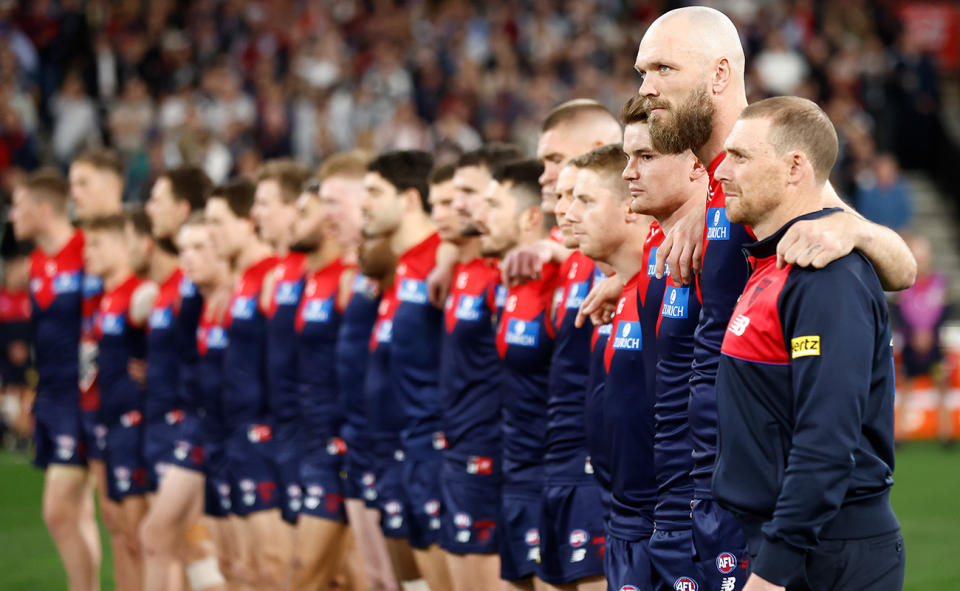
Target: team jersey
{"x":56,"y":297}
{"x":318,"y":325}
{"x":119,"y":341}
{"x":211,"y":343}
{"x":353,"y":350}
{"x":415,"y":361}
{"x":384,"y":417}
{"x":598,"y":439}
{"x":630,"y":354}
{"x":283,"y":374}
{"x":566,"y":458}
{"x":525,"y":343}
{"x":89,"y":390}
{"x":163,"y":343}
{"x":14,"y":326}
{"x":471,"y":373}
{"x":244,"y":364}
{"x":187,"y":321}
{"x":721,"y":281}
{"x":679,"y":313}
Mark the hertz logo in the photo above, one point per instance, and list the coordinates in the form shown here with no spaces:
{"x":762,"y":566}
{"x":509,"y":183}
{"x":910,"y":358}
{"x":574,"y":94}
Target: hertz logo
{"x":805,"y":346}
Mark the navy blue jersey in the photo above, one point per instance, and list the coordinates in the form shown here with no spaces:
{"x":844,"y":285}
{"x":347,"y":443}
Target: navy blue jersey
{"x":679,"y":315}
{"x":725,"y":272}
{"x":212,"y":340}
{"x":384,"y":417}
{"x":630,"y":355}
{"x":353,"y":350}
{"x":566,"y":458}
{"x":187,"y":321}
{"x":14,"y":326}
{"x":318,"y":325}
{"x":121,"y":399}
{"x":525,"y":342}
{"x":805,"y":394}
{"x":471,"y":373}
{"x":163,"y":346}
{"x":598,"y":439}
{"x":283,"y":376}
{"x":415,"y":362}
{"x":56,"y":300}
{"x":244,"y":363}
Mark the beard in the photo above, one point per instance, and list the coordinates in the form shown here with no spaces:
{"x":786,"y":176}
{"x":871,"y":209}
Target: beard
{"x":470,"y":231}
{"x":690,"y":128}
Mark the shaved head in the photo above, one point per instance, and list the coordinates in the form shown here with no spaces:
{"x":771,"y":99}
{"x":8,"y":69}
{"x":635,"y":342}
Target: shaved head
{"x":692,"y":65}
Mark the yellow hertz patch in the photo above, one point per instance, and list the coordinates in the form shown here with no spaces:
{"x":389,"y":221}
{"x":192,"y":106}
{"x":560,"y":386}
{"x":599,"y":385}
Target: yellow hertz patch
{"x":805,"y":346}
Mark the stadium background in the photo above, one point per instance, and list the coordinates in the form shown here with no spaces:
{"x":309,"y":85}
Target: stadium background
{"x":226,"y":84}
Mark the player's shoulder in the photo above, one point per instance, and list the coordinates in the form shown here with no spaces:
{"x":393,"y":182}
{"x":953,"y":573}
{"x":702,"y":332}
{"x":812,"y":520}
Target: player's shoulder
{"x":852,"y":273}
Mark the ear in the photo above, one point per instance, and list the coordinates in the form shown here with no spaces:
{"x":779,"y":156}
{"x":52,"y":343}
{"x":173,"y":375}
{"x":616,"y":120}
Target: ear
{"x":698,"y":170}
{"x":722,"y":75}
{"x":800,"y":167}
{"x":183,"y":210}
{"x":411,"y":200}
{"x":530,"y":219}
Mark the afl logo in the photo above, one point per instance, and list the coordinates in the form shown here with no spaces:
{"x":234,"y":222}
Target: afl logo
{"x":629,"y":588}
{"x":462,"y":520}
{"x":578,"y":538}
{"x":726,"y":562}
{"x":685,"y":584}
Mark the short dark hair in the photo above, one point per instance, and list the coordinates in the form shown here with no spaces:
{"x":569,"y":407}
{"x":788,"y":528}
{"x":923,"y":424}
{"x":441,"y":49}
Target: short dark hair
{"x":190,"y":184}
{"x":139,"y":221}
{"x":441,"y":174}
{"x":405,"y":169}
{"x":238,"y":194}
{"x":114,"y":222}
{"x":608,"y":159}
{"x":799,"y":124}
{"x":633,"y":111}
{"x":289,"y":174}
{"x":102,"y":159}
{"x":571,"y":110}
{"x":490,"y":156}
{"x":48,"y":185}
{"x":524,"y":177}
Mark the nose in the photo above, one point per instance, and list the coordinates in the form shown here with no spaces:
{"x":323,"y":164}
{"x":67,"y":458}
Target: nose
{"x":630,"y":170}
{"x":647,"y":86}
{"x":724,"y":172}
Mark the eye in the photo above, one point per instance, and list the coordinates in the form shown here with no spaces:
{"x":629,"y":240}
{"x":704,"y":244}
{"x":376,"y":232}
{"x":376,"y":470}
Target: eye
{"x":647,"y":157}
{"x":663,"y":68}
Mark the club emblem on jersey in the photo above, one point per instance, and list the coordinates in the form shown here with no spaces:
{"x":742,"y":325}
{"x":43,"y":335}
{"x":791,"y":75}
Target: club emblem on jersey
{"x":628,"y":336}
{"x":65,"y":446}
{"x":675,"y":302}
{"x":314,"y":494}
{"x":294,"y":492}
{"x":522,"y":333}
{"x":726,"y":562}
{"x":532,"y":537}
{"x":685,"y":584}
{"x":718,"y":226}
{"x":480,"y":465}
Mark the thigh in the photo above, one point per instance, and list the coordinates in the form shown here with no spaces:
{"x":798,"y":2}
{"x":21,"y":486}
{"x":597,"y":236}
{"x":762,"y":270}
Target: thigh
{"x":318,"y":539}
{"x":64,"y":487}
{"x":869,"y":564}
{"x":179,"y":498}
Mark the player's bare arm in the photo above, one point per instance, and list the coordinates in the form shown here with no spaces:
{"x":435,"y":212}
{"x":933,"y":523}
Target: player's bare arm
{"x":817,"y":243}
{"x":524,"y":263}
{"x":682,"y":248}
{"x":438,"y":282}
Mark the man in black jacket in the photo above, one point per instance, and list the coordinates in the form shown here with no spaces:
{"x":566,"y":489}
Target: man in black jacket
{"x":805,"y":389}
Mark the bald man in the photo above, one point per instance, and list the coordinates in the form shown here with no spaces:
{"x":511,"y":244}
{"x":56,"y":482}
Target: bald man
{"x":692,"y":66}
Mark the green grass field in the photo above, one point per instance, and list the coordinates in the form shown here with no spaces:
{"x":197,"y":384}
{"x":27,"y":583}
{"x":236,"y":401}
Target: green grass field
{"x":926,"y":498}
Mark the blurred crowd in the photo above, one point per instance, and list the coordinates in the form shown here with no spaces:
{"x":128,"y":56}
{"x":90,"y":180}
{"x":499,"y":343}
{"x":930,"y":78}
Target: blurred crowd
{"x":228,"y":83}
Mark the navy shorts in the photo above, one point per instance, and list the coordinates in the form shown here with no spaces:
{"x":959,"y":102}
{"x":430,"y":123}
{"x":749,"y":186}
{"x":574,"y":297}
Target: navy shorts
{"x":572,"y":533}
{"x":627,"y":565}
{"x":421,"y":483}
{"x":254,"y":474}
{"x":288,"y":448}
{"x":719,"y":547}
{"x":322,"y":490}
{"x":519,"y":533}
{"x":127,"y":471}
{"x":187,"y":449}
{"x":471,"y":512}
{"x":59,"y":438}
{"x":671,"y":561}
{"x":218,"y":501}
{"x":391,"y":498}
{"x":358,"y":470}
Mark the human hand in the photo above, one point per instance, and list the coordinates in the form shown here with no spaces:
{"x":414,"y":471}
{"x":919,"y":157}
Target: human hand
{"x":682,"y":247}
{"x":525,"y":263}
{"x":817,"y":243}
{"x":601,"y":303}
